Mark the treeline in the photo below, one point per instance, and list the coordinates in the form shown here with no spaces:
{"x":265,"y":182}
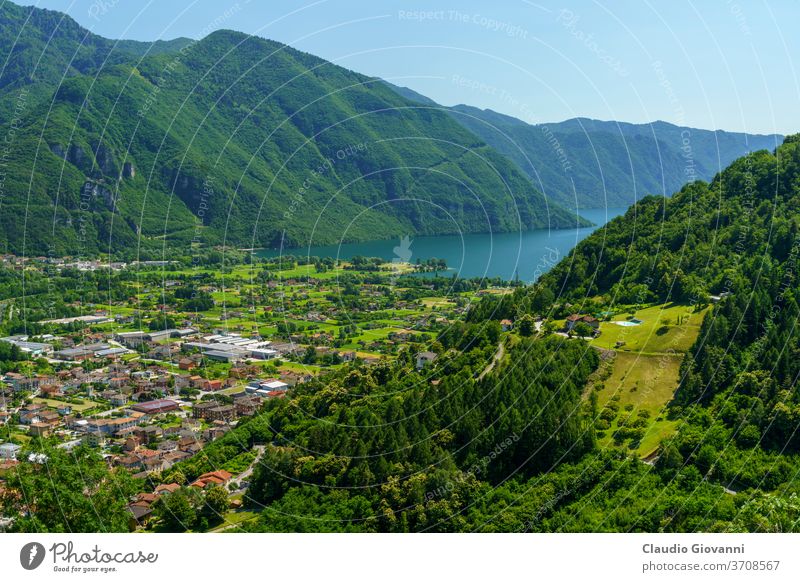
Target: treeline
{"x":694,"y":244}
{"x":60,"y":491}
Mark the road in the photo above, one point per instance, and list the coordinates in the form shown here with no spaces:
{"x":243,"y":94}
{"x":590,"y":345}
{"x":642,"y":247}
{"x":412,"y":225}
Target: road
{"x":501,"y":351}
{"x":244,"y":475}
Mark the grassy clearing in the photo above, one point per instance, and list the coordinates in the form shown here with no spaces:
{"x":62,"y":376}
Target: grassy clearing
{"x":302,"y":368}
{"x":635,"y":385}
{"x":434,"y":302}
{"x":666,"y":328}
{"x":57,"y":403}
{"x":639,"y":386}
{"x":235,"y":518}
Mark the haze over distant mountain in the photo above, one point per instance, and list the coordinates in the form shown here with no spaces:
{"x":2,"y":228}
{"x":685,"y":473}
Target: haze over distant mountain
{"x":586,"y":163}
{"x":230,"y":139}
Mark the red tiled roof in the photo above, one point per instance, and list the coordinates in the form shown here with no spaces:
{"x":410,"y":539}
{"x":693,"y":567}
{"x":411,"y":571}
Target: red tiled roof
{"x":214,"y":477}
{"x":168,"y":488}
{"x":222,"y":474}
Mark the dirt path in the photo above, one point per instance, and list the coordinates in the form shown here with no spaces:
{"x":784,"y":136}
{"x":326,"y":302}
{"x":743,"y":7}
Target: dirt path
{"x":501,"y":351}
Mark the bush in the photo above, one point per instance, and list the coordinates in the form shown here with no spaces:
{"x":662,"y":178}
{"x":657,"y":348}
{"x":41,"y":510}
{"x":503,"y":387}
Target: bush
{"x":608,"y":414}
{"x":749,"y":436}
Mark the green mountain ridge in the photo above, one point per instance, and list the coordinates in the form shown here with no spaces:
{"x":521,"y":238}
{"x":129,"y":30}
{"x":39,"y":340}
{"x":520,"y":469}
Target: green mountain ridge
{"x":128,"y":147}
{"x":588,"y":163}
{"x":594,"y":164}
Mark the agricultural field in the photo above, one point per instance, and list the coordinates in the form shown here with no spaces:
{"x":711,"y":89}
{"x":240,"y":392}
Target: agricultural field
{"x":322,"y":306}
{"x":638,"y":387}
{"x":640,"y":373}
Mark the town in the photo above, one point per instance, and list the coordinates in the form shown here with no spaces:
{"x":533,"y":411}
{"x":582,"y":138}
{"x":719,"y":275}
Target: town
{"x":179,"y":355}
{"x":148,"y":363}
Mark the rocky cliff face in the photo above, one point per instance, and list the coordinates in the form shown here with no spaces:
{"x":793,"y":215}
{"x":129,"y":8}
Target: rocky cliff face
{"x":100,"y":194}
{"x":105,"y":161}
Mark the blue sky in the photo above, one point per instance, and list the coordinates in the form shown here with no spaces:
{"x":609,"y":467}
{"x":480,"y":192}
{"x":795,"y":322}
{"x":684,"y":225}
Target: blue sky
{"x":722,"y":64}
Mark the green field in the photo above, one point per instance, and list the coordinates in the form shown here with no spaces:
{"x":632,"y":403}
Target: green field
{"x":56,"y":403}
{"x":437,"y":302}
{"x":234,"y":518}
{"x":665,"y":329}
{"x":644,"y":382}
{"x":637,"y":383}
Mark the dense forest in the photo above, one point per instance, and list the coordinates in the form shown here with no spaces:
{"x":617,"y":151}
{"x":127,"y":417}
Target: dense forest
{"x":731,"y":466}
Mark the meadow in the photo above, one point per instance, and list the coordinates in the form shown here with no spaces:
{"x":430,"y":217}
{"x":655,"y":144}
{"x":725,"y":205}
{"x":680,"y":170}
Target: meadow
{"x":640,"y":373}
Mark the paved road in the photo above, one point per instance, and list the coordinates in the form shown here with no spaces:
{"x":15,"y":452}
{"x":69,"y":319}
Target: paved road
{"x":244,"y":475}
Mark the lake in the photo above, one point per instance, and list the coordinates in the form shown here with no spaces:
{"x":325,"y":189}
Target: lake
{"x":526,"y":254}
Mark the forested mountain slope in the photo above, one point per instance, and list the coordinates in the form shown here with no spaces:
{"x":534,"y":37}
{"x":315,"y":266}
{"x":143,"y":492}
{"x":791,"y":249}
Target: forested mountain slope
{"x":525,"y":459}
{"x":465,"y":445}
{"x":594,"y":164}
{"x":586,"y":163}
{"x":732,"y":463}
{"x":121,"y":145}
{"x":736,"y":238}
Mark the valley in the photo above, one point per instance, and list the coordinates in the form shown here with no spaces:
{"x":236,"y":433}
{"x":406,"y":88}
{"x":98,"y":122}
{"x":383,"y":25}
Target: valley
{"x":245,"y":288}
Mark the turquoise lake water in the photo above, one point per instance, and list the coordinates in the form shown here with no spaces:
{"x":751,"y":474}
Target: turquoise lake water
{"x":507,"y":255}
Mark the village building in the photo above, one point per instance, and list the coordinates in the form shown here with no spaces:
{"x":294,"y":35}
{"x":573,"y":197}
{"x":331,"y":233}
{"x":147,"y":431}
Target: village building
{"x":574,"y":319}
{"x":424,"y":359}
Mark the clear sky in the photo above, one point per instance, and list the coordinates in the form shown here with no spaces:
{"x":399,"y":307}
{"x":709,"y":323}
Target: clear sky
{"x":716,"y":64}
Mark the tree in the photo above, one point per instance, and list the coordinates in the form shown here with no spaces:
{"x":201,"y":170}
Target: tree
{"x":67,"y":492}
{"x":216,"y":502}
{"x":161,"y":323}
{"x":178,"y":510}
{"x":526,"y":327}
{"x":769,"y":513}
{"x":310,"y":355}
{"x":174,"y":476}
{"x":202,"y":301}
{"x":670,"y":457}
{"x":583,"y":329}
{"x":749,"y":436}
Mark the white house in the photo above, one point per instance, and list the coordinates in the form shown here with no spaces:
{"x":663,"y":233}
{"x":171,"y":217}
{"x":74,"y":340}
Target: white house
{"x":262,"y":387}
{"x":9,"y":451}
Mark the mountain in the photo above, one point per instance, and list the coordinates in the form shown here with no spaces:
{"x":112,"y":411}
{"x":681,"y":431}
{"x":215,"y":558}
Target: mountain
{"x":125,"y":146}
{"x":734,"y":242}
{"x":594,"y":164}
{"x":40,"y":47}
{"x":586,"y":163}
{"x":733,"y":234}
{"x":412,"y":95}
